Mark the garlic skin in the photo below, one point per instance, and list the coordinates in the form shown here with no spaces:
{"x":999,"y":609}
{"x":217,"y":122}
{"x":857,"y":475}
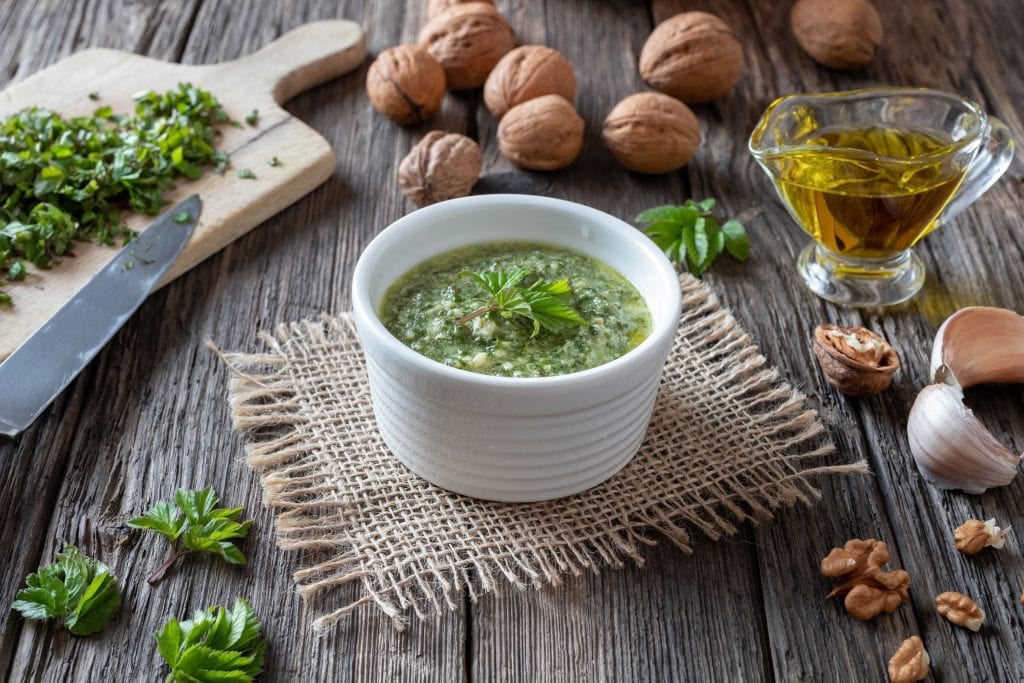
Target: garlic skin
{"x":953,"y":450}
{"x":980,"y":344}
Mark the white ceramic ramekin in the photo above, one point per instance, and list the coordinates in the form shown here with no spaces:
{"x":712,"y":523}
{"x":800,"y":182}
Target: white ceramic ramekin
{"x":513,"y":439}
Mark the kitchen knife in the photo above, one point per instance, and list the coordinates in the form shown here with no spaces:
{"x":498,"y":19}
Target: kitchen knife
{"x":46,"y":362}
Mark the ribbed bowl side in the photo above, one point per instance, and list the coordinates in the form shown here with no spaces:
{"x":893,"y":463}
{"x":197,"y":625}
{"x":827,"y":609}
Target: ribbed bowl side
{"x":511,"y":458}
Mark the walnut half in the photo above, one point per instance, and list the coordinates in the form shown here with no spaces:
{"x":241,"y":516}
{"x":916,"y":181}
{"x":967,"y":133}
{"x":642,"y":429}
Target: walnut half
{"x":973,"y":536}
{"x":910,"y":663}
{"x":960,"y":609}
{"x":868,"y":589}
{"x":855,"y":360}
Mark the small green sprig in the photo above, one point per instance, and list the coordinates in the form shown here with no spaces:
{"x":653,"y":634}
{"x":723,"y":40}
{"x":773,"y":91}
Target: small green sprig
{"x":75,"y":588}
{"x":192,"y":524}
{"x":691,"y":237}
{"x":214,"y":645}
{"x":544,"y":304}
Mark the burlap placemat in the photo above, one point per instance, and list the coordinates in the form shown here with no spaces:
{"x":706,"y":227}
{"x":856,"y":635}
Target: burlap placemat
{"x":729,"y":441}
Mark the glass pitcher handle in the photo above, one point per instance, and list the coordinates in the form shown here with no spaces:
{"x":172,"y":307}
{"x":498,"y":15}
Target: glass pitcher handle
{"x":992,"y":161}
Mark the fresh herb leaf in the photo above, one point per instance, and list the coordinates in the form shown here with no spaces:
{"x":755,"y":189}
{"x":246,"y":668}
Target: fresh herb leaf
{"x":16,"y":271}
{"x":66,"y":180}
{"x":94,"y":95}
{"x":692,"y":237}
{"x":246,"y":173}
{"x":194,"y":523}
{"x":216,"y":644}
{"x":181,"y":217}
{"x":544,"y":304}
{"x":274,"y":161}
{"x":253,"y":118}
{"x":76,"y":588}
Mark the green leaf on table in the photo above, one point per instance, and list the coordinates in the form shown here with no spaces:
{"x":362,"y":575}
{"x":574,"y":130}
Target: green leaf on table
{"x":75,"y":587}
{"x":216,"y":644}
{"x":691,"y":237}
{"x":194,"y":523}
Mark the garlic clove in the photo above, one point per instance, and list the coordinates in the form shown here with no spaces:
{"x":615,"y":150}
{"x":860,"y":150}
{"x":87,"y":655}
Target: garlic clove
{"x":980,"y":344}
{"x":952,"y":448}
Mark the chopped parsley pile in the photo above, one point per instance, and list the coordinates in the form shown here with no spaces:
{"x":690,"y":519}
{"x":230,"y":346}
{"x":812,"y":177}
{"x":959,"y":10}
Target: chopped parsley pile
{"x":66,"y":180}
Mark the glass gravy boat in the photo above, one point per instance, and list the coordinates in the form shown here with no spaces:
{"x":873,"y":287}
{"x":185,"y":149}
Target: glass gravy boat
{"x":867,"y":173}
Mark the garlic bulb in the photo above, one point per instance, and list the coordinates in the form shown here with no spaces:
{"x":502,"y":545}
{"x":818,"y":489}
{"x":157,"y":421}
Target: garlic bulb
{"x":952,"y":448}
{"x":980,"y":344}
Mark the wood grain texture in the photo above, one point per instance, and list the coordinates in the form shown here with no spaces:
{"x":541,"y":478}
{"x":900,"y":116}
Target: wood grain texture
{"x":149,"y":413}
{"x":232,"y":206}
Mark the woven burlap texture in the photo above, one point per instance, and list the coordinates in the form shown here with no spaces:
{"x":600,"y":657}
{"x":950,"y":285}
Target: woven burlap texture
{"x":729,"y":441}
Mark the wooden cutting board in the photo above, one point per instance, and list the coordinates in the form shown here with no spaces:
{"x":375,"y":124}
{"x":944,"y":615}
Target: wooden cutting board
{"x":297,"y":61}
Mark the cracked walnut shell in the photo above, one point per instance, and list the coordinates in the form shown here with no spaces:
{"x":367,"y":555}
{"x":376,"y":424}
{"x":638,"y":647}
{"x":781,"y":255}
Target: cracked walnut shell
{"x":839,"y":34}
{"x":960,"y":609}
{"x":693,"y":56}
{"x":868,"y":589}
{"x":910,"y":663}
{"x":468,"y":39}
{"x":855,"y":360}
{"x":973,"y":536}
{"x":527,"y":72}
{"x":405,"y":84}
{"x":652,"y":133}
{"x":542,"y":134}
{"x":441,"y":166}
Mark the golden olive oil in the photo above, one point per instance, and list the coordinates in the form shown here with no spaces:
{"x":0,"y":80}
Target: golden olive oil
{"x":868,"y":192}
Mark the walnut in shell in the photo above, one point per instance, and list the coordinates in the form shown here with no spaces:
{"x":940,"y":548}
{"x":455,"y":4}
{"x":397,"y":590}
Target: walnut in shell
{"x":435,"y":7}
{"x":652,"y":133}
{"x":405,"y":84}
{"x":527,"y":72}
{"x":441,"y":166}
{"x":467,"y":39}
{"x":542,"y":134}
{"x":910,"y":662}
{"x":839,"y":34}
{"x":694,"y":56}
{"x":855,"y":360}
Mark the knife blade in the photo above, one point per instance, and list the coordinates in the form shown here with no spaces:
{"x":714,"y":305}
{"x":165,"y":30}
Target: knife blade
{"x":45,"y":363}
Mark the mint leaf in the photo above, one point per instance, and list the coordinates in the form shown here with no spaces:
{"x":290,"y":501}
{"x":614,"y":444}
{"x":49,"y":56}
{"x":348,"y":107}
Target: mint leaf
{"x":195,"y":524}
{"x":544,"y":304}
{"x":736,"y":242}
{"x":75,"y":587}
{"x":215,"y":645}
{"x":691,"y":237}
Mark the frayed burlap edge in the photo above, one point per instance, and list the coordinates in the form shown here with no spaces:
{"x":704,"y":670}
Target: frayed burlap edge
{"x":270,"y":404}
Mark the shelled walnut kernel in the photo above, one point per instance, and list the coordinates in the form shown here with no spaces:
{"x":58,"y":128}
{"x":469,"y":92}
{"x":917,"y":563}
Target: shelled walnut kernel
{"x":973,"y":536}
{"x":960,"y":610}
{"x":868,"y":589}
{"x":910,"y":663}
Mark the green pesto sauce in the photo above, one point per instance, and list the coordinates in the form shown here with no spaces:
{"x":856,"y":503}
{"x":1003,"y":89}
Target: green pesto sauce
{"x":421,"y":309}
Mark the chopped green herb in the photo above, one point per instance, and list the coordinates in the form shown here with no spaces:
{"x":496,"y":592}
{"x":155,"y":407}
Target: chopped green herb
{"x":214,"y":645}
{"x":65,"y":180}
{"x":94,"y":95}
{"x":16,"y":271}
{"x":181,"y":217}
{"x":235,"y":124}
{"x":76,"y":588}
{"x":691,"y":237}
{"x":543,"y":303}
{"x":127,"y":265}
{"x":246,"y":173}
{"x":253,"y":118}
{"x":274,"y":161}
{"x":194,"y":523}
{"x":5,"y":298}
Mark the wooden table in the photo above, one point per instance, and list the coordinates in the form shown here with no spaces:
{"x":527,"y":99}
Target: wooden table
{"x":149,"y":414}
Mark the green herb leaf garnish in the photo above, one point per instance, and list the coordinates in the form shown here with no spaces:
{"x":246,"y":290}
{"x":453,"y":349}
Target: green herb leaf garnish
{"x":544,"y":304}
{"x":246,"y":173}
{"x":216,"y":644}
{"x":195,"y":524}
{"x":691,"y":237}
{"x":253,"y":117}
{"x":181,"y":217}
{"x":94,"y":95}
{"x":65,"y":180}
{"x":274,"y":161}
{"x":75,"y":588}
